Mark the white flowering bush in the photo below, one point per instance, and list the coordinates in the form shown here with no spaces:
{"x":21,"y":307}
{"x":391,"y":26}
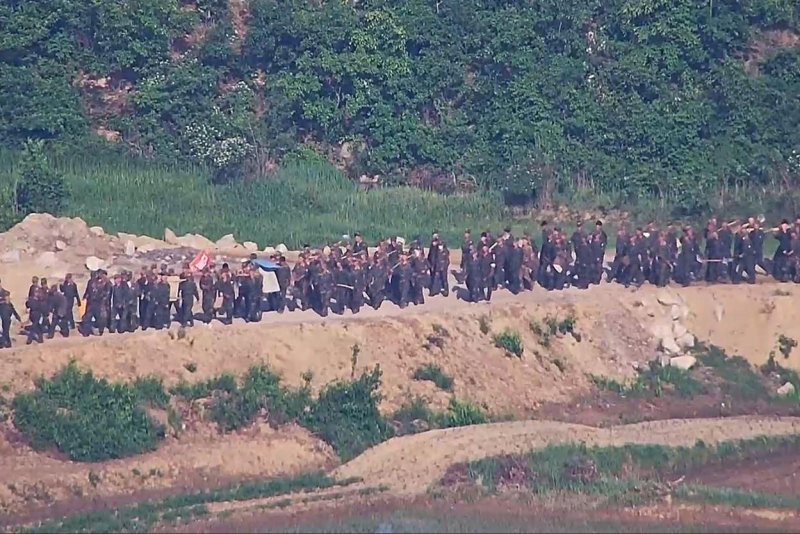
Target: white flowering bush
{"x":209,"y":145}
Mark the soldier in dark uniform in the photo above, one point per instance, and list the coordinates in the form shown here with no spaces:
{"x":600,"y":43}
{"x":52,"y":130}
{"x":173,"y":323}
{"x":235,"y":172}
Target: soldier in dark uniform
{"x":420,"y":276}
{"x":359,"y":245}
{"x":243,"y":284}
{"x":37,"y":307}
{"x":401,"y":281}
{"x":515,"y":256}
{"x":57,"y":304}
{"x":70,"y":291}
{"x":583,"y":262}
{"x":725,"y":236}
{"x":473,"y":277}
{"x":487,"y":266}
{"x":439,"y":282}
{"x":343,"y":289}
{"x":377,"y":280}
{"x":208,"y":292}
{"x":226,"y":288}
{"x":780,"y":260}
{"x":466,"y":250}
{"x":301,"y":280}
{"x":120,"y":304}
{"x":757,"y":240}
{"x":33,"y":287}
{"x":284,"y":276}
{"x":358,"y":279}
{"x":161,"y":294}
{"x":7,"y":311}
{"x":187,"y":294}
{"x":256,"y":294}
{"x":597,"y":249}
{"x":323,"y":287}
{"x":46,"y":319}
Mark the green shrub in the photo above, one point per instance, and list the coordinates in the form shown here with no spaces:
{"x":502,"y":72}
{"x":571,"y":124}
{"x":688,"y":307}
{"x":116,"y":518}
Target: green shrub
{"x":39,"y":188}
{"x":510,"y":341}
{"x":435,"y":374}
{"x":260,"y":390}
{"x":412,"y":411}
{"x":85,"y":418}
{"x":225,"y":382}
{"x":150,"y":390}
{"x":346,"y":415}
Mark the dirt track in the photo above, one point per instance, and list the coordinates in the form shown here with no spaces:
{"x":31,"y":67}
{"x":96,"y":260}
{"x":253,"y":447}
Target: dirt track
{"x":409,"y":465}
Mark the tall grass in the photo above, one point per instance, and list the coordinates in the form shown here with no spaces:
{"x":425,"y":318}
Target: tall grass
{"x":305,"y":202}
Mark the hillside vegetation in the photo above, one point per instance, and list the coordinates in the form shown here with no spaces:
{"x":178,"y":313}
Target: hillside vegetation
{"x":686,"y":103}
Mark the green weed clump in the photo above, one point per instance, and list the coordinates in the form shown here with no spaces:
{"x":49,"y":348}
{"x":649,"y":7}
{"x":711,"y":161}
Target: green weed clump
{"x":346,"y":415}
{"x":461,"y":413}
{"x":510,"y":341}
{"x":435,"y":374}
{"x":86,"y":418}
{"x":652,"y":381}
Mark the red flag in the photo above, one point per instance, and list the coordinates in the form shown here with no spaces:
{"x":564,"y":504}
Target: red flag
{"x":200,"y":262}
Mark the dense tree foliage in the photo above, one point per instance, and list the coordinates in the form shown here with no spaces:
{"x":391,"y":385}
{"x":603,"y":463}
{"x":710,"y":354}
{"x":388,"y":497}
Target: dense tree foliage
{"x":664,"y":97}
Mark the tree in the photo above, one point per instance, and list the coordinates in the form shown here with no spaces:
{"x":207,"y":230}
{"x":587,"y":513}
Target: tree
{"x":39,"y":189}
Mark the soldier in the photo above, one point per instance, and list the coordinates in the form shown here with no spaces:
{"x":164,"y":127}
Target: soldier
{"x":401,"y":280}
{"x":37,"y":307}
{"x":515,"y":258}
{"x":7,"y":311}
{"x":187,"y":293}
{"x":46,"y":320}
{"x":33,"y":287}
{"x":377,"y":280}
{"x":243,"y":297}
{"x":208,"y":289}
{"x":256,"y":294}
{"x":359,"y":245}
{"x":621,"y":251}
{"x":70,"y":291}
{"x":120,"y":305}
{"x":473,"y":277}
{"x":358,"y":280}
{"x":57,"y":304}
{"x":439,"y":282}
{"x":323,"y":287}
{"x":530,"y":263}
{"x":466,"y":250}
{"x":225,"y":287}
{"x":301,"y":282}
{"x":487,"y":266}
{"x":284,"y":276}
{"x":162,"y":302}
{"x":780,"y":260}
{"x":420,"y":275}
{"x":757,"y":240}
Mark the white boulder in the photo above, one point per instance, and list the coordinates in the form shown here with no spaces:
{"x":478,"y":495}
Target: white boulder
{"x":169,"y":237}
{"x":250,"y":246}
{"x":670,"y":346}
{"x":98,"y":231}
{"x":130,"y":248}
{"x":93,"y":263}
{"x":60,"y":245}
{"x":786,"y":389}
{"x":226,"y":241}
{"x":686,"y":341}
{"x":683,"y":362}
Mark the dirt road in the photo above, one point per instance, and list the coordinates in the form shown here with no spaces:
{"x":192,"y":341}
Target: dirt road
{"x":409,"y":465}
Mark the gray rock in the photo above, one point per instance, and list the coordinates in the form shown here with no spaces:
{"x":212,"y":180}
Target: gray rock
{"x":98,"y":231}
{"x":12,"y":256}
{"x":719,"y":312}
{"x":60,"y":245}
{"x":683,"y":362}
{"x":169,"y":237}
{"x":226,"y":241}
{"x":250,"y":246}
{"x":679,"y":330}
{"x":130,"y":248}
{"x":786,"y":389}
{"x":669,"y":346}
{"x":675,"y":312}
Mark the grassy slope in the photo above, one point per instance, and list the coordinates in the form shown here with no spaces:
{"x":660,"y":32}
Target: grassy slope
{"x":305,"y":202}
